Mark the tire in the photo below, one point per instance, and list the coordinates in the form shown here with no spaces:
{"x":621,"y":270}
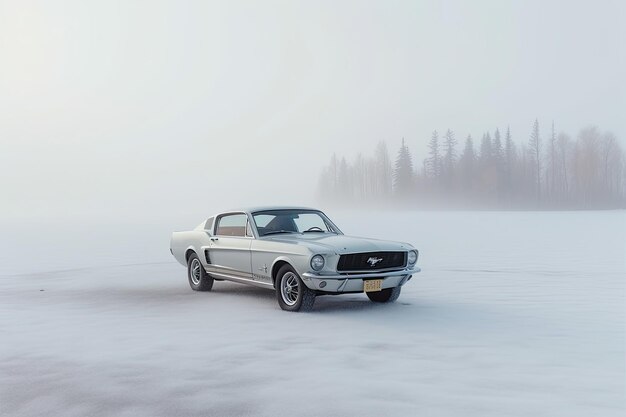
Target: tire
{"x":388,"y":295}
{"x":199,"y":279}
{"x":288,"y":280}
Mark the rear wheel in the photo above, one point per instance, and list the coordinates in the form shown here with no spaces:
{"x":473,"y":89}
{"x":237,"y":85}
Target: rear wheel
{"x":199,"y":280}
{"x":388,"y":295}
{"x":291,"y":292}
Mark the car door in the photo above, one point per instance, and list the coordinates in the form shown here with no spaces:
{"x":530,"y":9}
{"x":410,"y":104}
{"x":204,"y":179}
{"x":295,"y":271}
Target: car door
{"x":229,"y":250}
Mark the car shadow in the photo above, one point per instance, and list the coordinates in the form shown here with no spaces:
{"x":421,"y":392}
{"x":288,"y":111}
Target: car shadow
{"x":350,"y":302}
{"x":323,"y":304}
{"x":243,"y":290}
{"x":149,"y":287}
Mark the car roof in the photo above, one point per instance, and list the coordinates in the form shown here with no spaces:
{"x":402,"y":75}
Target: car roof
{"x":264,"y":208}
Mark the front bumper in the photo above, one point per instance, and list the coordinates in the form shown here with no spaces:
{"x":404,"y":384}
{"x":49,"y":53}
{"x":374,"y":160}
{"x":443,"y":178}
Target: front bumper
{"x":337,"y":283}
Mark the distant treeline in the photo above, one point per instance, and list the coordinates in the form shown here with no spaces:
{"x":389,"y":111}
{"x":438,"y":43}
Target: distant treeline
{"x":552,"y":172}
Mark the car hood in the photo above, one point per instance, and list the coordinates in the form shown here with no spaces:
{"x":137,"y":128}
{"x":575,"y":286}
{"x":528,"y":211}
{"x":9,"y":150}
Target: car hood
{"x":340,"y":244}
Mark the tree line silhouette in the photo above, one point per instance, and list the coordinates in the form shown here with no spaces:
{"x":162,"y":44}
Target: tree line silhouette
{"x":551,"y":172}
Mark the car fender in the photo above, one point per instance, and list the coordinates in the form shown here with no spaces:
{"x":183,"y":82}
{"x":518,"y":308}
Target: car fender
{"x":295,"y":263}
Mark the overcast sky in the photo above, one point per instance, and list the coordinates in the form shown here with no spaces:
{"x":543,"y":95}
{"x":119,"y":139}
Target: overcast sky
{"x":155,"y":106}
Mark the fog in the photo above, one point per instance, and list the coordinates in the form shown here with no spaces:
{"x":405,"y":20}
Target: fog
{"x":122,"y":121}
{"x":153,"y":108}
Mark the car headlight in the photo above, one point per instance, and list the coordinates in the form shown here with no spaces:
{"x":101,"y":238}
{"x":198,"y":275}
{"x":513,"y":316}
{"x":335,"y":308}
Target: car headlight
{"x":412,"y":257}
{"x":317,"y":262}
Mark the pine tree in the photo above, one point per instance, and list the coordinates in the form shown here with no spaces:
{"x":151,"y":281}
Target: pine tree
{"x":510,"y":161}
{"x":588,"y":172}
{"x":486,"y":149}
{"x":534,"y":146}
{"x":403,"y":172}
{"x":510,"y":152}
{"x":434,"y":160}
{"x":468,"y":160}
{"x":552,"y":161}
{"x":450,"y":155}
{"x":497,"y":150}
{"x":498,"y":164}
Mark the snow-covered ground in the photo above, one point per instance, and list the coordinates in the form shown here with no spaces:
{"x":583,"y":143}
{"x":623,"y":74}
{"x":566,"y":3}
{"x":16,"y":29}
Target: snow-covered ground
{"x":514,"y":314}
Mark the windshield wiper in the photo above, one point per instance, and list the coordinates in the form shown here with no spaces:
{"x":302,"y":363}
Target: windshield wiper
{"x":273,"y":232}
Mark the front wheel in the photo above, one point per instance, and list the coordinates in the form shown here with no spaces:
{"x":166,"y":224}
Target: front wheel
{"x":199,"y":279}
{"x":388,"y":295}
{"x":291,"y":292}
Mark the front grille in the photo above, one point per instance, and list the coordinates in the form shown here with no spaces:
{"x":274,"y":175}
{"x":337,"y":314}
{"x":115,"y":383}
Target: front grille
{"x":371,"y":261}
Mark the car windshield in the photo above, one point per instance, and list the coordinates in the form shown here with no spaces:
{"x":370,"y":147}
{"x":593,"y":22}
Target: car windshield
{"x":292,"y":221}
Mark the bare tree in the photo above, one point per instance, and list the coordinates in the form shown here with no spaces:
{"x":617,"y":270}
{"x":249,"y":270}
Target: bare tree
{"x":359,"y":177}
{"x":383,"y":170}
{"x":612,"y":165}
{"x":563,"y":155}
{"x":327,"y":185}
{"x":344,"y":183}
{"x":587,"y":167}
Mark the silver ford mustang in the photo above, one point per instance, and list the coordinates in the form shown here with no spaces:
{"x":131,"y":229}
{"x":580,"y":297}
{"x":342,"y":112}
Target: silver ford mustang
{"x":298,"y":252}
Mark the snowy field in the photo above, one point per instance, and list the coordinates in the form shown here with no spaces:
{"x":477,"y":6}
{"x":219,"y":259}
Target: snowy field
{"x":514,"y":314}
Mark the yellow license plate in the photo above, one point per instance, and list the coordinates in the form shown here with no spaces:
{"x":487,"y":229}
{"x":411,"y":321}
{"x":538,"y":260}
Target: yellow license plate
{"x":372,"y":285}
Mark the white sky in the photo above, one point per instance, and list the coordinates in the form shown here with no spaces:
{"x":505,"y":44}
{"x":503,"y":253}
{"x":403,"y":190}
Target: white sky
{"x":144,"y":106}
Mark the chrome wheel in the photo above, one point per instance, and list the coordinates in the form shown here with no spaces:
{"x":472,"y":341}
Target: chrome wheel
{"x":291,"y":293}
{"x":195,"y":273}
{"x":290,"y":288}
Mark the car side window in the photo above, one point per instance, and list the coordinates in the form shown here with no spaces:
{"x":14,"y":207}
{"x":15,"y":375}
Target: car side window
{"x":209,"y":224}
{"x":249,"y":230}
{"x":232,"y":225}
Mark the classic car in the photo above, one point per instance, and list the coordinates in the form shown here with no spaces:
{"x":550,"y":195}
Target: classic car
{"x":298,"y":252}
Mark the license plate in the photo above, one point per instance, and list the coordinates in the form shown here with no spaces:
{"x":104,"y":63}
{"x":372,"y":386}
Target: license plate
{"x":372,"y":285}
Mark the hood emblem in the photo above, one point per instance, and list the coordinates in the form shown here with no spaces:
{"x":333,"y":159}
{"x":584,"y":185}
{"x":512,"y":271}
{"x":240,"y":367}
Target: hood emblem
{"x":373,"y":261}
